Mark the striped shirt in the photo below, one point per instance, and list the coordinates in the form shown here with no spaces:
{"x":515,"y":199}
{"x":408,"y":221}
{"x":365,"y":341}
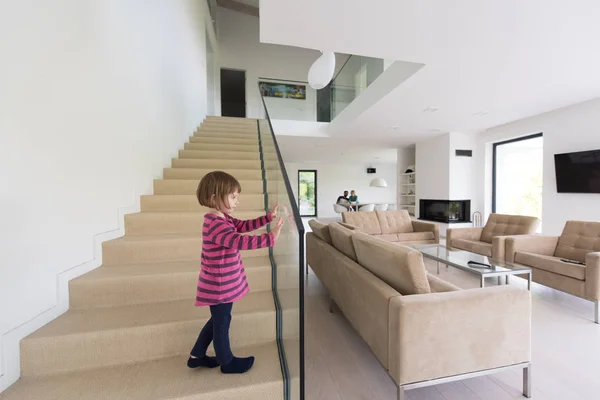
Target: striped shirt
{"x":222,"y":275}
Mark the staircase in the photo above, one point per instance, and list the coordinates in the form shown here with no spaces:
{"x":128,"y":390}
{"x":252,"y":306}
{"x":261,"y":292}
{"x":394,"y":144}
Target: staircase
{"x":132,"y":322}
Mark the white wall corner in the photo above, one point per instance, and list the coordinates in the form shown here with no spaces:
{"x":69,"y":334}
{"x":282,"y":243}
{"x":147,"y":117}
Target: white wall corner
{"x":10,"y":355}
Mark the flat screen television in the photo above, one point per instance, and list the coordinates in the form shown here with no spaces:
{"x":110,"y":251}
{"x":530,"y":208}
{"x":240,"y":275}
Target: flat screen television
{"x":578,"y":172}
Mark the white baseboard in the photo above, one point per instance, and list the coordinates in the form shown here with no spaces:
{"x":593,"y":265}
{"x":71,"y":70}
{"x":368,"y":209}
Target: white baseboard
{"x":10,"y":354}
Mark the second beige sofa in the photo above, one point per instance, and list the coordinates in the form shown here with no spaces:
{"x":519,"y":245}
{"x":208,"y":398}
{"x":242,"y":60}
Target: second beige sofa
{"x":393,"y":226}
{"x":490,"y":240}
{"x":422,"y":329}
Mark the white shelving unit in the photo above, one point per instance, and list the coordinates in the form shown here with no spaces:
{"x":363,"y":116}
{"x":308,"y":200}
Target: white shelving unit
{"x":408,"y":190}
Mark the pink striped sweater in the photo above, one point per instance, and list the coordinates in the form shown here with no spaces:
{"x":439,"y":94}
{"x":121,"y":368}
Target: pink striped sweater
{"x":222,"y":275}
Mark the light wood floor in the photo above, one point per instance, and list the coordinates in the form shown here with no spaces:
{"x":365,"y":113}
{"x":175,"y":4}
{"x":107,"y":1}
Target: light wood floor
{"x":566,"y":353}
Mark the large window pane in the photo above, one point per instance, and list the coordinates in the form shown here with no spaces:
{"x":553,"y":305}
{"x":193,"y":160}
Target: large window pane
{"x":307,"y":193}
{"x":518,"y":176}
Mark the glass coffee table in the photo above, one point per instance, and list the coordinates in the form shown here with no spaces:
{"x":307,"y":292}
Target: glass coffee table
{"x":484,"y":267}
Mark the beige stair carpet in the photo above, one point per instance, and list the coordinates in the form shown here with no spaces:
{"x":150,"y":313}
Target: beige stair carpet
{"x":132,"y":323}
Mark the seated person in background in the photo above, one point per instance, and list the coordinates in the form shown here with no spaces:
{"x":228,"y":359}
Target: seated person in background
{"x":344,"y":200}
{"x":354,"y":199}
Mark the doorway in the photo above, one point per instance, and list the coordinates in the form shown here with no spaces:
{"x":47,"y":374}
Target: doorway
{"x":517,"y":176}
{"x":233,"y":93}
{"x":307,"y":193}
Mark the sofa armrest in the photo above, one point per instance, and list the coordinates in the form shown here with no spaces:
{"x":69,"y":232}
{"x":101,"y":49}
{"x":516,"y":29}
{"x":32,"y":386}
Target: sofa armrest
{"x":499,"y":246}
{"x":544,"y":245}
{"x":437,"y":335}
{"x":592,"y":276}
{"x":463,"y":233}
{"x":421,"y":226}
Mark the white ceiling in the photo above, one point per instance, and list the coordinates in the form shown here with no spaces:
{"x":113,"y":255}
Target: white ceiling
{"x":313,"y":150}
{"x":509,"y":58}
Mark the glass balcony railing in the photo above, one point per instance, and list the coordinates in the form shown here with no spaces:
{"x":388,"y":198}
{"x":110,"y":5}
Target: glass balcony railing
{"x":287,"y":260}
{"x":296,"y":100}
{"x":353,"y":78}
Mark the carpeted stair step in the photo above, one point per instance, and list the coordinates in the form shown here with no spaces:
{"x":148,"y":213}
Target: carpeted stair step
{"x":217,"y":155}
{"x":220,"y":147}
{"x":189,"y":202}
{"x":198,"y":173}
{"x":185,"y":186}
{"x":155,"y":282}
{"x":216,"y":164}
{"x":227,"y":135}
{"x":159,"y":223}
{"x":100,"y":337}
{"x":164,"y":379}
{"x":133,"y":249}
{"x":224,"y":141}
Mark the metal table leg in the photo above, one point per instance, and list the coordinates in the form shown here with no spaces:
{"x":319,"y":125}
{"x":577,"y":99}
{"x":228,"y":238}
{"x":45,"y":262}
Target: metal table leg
{"x":482,"y":281}
{"x":527,"y":381}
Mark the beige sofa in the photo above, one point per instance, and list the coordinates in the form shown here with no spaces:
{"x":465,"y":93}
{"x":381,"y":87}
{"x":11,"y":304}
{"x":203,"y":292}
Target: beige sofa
{"x":423,"y":330}
{"x":490,"y":239}
{"x":393,"y":226}
{"x":579,"y":241}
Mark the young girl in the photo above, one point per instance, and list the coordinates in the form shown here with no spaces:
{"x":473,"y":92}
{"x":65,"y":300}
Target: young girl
{"x":222,"y":278}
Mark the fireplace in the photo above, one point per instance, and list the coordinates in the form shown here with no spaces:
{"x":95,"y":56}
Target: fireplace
{"x":448,"y":211}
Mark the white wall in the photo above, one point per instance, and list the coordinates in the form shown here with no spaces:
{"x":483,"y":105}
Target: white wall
{"x":333,"y":179}
{"x":432,"y":167}
{"x":461,"y":168}
{"x":96,"y":97}
{"x":575,"y":128}
{"x":240,"y":48}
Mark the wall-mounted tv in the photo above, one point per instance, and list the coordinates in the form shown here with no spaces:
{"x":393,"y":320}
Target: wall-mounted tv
{"x":578,"y":172}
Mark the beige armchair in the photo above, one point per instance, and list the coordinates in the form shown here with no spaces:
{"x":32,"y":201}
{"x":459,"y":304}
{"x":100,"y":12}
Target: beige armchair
{"x":579,"y":243}
{"x":490,"y":239}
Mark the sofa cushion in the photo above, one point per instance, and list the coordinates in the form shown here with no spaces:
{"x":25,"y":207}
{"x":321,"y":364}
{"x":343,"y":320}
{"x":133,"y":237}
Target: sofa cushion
{"x":438,"y":285}
{"x":415,"y":236}
{"x":342,"y":240}
{"x":388,"y":237}
{"x":551,"y":264}
{"x":320,"y":230}
{"x":364,"y":221}
{"x":577,"y":239}
{"x":474,"y":246}
{"x":399,"y":266}
{"x":504,"y":225}
{"x":397,"y":221}
{"x":348,"y":226}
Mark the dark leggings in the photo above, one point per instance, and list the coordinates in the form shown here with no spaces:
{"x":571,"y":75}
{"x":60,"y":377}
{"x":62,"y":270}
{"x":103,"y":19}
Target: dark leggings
{"x":216,"y":330}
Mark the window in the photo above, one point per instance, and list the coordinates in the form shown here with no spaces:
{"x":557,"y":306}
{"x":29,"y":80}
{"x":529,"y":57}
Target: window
{"x":307,"y":193}
{"x":517,"y":176}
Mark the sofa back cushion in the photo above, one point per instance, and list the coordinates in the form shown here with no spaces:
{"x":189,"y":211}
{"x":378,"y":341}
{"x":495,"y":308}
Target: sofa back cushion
{"x":400,"y":267}
{"x":342,"y":240}
{"x":397,"y":221}
{"x":577,"y":239}
{"x":320,"y":230}
{"x":364,"y":221}
{"x":504,"y":225}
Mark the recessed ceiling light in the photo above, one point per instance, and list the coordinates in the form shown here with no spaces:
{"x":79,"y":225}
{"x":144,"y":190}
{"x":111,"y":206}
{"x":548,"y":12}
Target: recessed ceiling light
{"x":431,"y":109}
{"x":481,"y":113}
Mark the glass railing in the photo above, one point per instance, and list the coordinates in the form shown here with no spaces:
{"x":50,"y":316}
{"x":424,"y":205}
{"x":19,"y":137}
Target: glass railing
{"x":353,"y":78}
{"x":287,"y":260}
{"x":297,"y":101}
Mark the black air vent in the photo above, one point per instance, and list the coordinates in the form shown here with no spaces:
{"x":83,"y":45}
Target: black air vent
{"x":464,"y":153}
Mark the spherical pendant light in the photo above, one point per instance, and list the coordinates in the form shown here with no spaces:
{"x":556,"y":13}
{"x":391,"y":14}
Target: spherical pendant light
{"x":321,"y":72}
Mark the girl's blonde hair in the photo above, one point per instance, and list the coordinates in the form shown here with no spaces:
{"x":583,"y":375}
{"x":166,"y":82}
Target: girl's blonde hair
{"x":214,"y":189}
